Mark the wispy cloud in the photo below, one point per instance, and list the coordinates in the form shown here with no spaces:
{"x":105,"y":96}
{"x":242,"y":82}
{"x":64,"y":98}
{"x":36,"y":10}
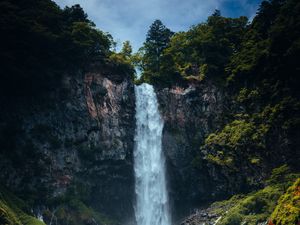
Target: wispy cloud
{"x":130,"y":19}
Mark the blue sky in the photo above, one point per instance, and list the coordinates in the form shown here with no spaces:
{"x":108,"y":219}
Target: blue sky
{"x":130,"y":19}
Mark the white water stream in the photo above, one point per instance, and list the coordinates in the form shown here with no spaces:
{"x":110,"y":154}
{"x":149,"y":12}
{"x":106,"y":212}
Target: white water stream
{"x":149,"y":163}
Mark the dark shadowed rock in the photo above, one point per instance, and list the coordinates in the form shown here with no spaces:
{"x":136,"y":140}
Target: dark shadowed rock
{"x":190,"y":114}
{"x":75,"y":140}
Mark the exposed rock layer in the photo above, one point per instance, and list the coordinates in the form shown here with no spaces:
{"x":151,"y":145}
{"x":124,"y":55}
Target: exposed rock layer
{"x":190,"y":114}
{"x":78,"y":137}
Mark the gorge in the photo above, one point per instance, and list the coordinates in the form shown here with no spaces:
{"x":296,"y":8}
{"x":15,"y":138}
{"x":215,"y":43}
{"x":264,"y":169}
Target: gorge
{"x":207,"y":134}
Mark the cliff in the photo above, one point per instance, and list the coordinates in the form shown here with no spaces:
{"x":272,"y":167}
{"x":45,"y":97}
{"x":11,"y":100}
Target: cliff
{"x":190,"y":114}
{"x":200,"y":173}
{"x":227,"y":90}
{"x":73,"y":142}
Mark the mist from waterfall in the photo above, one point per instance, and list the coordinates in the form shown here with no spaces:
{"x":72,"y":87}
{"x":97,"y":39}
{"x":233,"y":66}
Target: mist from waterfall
{"x":149,"y":163}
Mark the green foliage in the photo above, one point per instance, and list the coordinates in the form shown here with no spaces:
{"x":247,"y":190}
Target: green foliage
{"x":75,"y":14}
{"x":288,"y":209}
{"x":257,"y":206}
{"x":91,"y":44}
{"x":253,"y":208}
{"x":248,"y":136}
{"x":41,"y":42}
{"x":122,"y":64}
{"x":234,"y":135}
{"x":157,"y":40}
{"x":150,"y":55}
{"x":247,"y":96}
{"x":13,"y":211}
{"x":235,"y":140}
{"x":76,"y":212}
{"x":73,"y":207}
{"x":270,"y":46}
{"x":279,"y":175}
{"x":126,"y":49}
{"x":201,"y":52}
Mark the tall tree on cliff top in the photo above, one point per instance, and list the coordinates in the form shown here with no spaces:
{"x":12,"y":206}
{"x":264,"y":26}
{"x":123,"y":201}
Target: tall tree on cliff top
{"x":126,"y":49}
{"x":157,"y":40}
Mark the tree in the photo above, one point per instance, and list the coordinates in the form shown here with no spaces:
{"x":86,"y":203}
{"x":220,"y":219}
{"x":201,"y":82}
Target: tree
{"x":126,"y":49}
{"x":204,"y":50}
{"x":76,"y":14}
{"x":157,"y":40}
{"x":40,"y":42}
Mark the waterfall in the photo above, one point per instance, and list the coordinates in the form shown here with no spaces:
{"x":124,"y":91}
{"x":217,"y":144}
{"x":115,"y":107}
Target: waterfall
{"x":149,"y":163}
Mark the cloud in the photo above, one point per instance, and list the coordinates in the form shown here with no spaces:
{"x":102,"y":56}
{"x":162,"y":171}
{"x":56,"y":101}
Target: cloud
{"x":130,"y":19}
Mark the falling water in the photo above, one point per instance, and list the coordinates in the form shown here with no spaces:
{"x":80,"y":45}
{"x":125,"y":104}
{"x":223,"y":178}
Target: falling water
{"x":149,"y":164}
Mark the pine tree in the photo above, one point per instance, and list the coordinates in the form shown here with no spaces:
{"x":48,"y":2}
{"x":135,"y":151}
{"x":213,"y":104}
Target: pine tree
{"x":157,"y":40}
{"x":126,"y":49}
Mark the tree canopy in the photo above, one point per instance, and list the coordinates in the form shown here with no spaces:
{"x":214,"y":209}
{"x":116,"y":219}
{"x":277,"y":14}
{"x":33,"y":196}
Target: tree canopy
{"x":203,"y":50}
{"x":40,"y":42}
{"x":157,"y":39}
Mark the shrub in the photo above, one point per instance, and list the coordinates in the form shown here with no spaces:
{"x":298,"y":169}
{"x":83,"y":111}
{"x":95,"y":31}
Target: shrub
{"x":288,"y":209}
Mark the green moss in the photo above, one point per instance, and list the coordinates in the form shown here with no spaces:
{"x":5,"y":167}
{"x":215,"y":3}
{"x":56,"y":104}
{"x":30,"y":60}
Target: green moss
{"x":238,"y":140}
{"x":235,"y":134}
{"x":287,"y":210}
{"x":253,"y":208}
{"x":75,"y":211}
{"x":220,"y":208}
{"x":246,"y":95}
{"x":257,"y":206}
{"x":249,"y":136}
{"x":278,"y":175}
{"x":220,"y":159}
{"x":255,"y":161}
{"x":13,"y":211}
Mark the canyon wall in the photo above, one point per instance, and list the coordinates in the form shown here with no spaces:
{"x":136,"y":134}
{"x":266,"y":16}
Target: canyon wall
{"x":190,"y":114}
{"x":76,"y":140}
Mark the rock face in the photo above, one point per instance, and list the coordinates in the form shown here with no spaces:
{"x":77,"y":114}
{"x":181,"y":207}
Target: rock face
{"x":79,"y":137}
{"x":190,"y":114}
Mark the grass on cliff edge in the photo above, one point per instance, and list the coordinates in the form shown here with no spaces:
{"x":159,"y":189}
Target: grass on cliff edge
{"x":288,"y":209}
{"x":13,"y":211}
{"x":262,"y":205}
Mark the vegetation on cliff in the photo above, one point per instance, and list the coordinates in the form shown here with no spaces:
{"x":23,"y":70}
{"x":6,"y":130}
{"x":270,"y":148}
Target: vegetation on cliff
{"x":41,"y":42}
{"x":263,"y":124}
{"x":256,"y":64}
{"x":230,"y":49}
{"x":41,"y":47}
{"x":202,"y":51}
{"x":288,"y":209}
{"x":14,"y":211}
{"x":277,"y":202}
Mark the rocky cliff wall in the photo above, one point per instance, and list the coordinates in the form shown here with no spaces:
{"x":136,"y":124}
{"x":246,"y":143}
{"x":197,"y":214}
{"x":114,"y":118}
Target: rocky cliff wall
{"x":76,"y":140}
{"x":190,"y":114}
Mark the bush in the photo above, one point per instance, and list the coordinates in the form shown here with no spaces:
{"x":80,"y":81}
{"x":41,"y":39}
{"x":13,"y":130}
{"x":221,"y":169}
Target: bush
{"x":258,"y":206}
{"x":287,"y":210}
{"x":13,"y":211}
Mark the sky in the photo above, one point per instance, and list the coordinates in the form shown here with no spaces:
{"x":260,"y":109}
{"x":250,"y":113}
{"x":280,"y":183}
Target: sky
{"x":131,"y":19}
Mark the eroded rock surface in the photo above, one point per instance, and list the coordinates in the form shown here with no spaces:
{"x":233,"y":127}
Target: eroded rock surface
{"x":78,"y":137}
{"x":190,"y":114}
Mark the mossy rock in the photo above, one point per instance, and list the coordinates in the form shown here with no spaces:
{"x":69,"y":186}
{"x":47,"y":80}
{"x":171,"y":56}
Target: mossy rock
{"x":270,"y":202}
{"x":288,"y":209}
{"x":76,"y":212}
{"x":13,"y":211}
